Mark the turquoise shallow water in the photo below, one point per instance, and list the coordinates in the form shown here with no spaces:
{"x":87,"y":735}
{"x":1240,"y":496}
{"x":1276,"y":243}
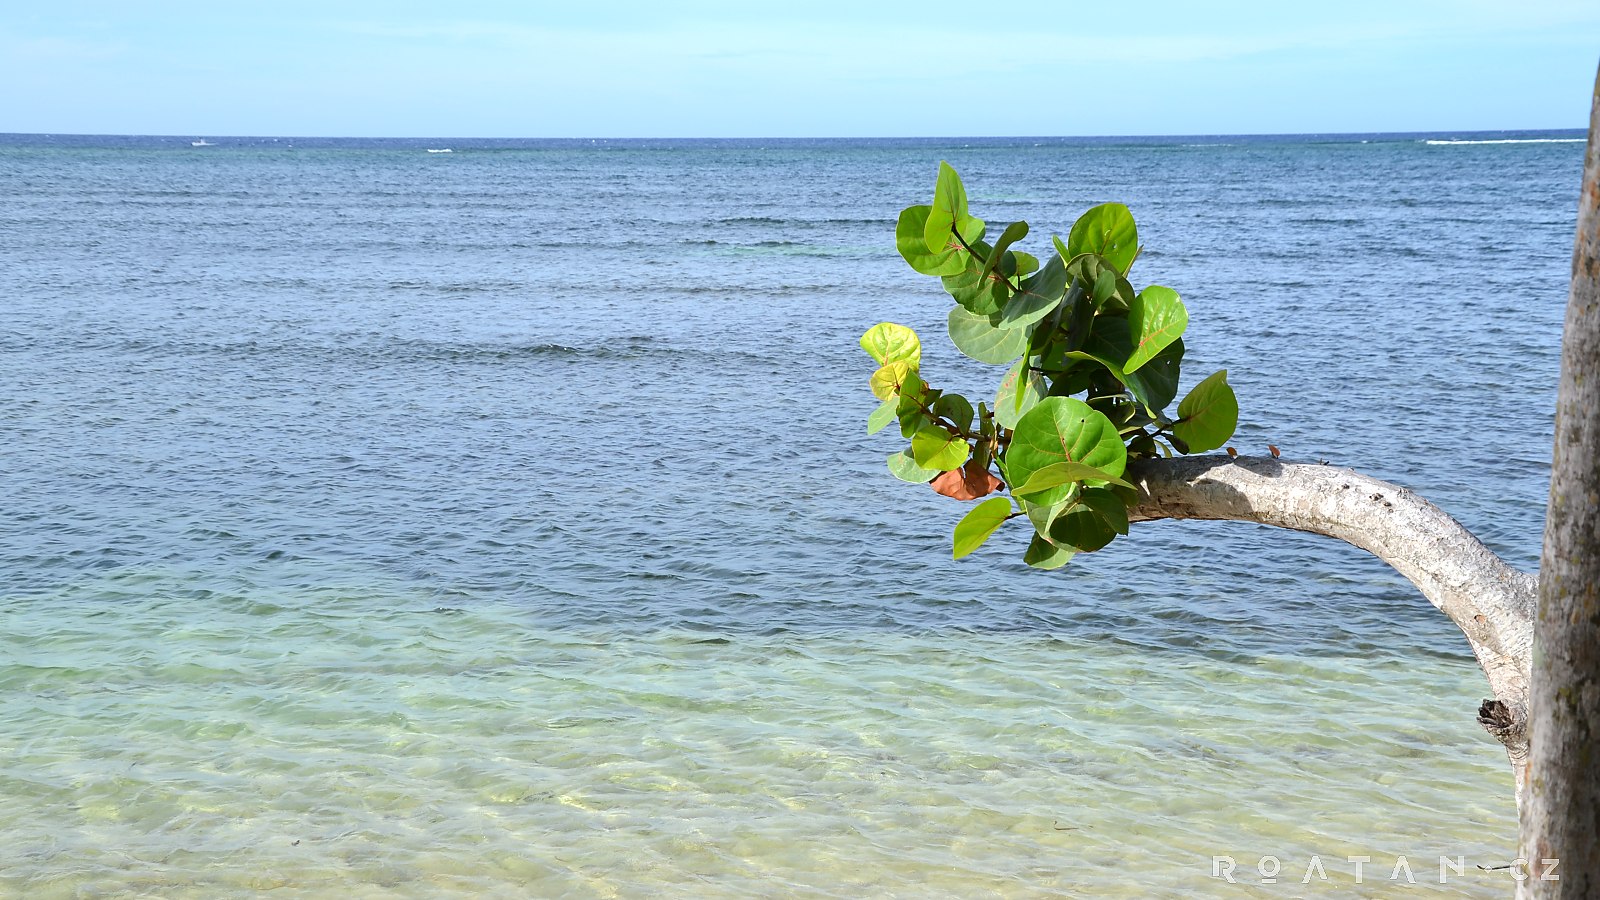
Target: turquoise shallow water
{"x":365,"y":742}
{"x":500,"y":523}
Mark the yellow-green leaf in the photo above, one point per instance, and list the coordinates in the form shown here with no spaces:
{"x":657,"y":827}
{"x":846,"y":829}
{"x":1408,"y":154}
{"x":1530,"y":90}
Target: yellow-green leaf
{"x":949,"y":208}
{"x":935,"y":448}
{"x":887,"y":380}
{"x":887,"y":342}
{"x":979,"y":522}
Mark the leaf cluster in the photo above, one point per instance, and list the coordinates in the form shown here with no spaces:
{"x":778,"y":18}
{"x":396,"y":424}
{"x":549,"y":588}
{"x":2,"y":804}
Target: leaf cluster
{"x":1091,"y":367}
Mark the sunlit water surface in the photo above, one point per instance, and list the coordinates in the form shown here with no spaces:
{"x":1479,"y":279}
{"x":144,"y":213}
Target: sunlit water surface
{"x":500,"y":523}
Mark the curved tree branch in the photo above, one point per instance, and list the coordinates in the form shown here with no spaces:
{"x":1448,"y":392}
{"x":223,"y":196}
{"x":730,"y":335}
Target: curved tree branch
{"x":1492,"y":603}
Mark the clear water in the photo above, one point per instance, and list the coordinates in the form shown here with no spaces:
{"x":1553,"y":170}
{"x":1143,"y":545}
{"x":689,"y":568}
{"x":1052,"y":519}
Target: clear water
{"x":382,"y":523}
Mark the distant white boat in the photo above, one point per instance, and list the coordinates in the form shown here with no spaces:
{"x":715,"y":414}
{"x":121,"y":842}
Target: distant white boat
{"x":201,"y":143}
{"x":445,"y":150}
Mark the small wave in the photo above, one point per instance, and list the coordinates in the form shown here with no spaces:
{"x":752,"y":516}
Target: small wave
{"x":459,"y":287}
{"x":768,"y":220}
{"x":440,"y":150}
{"x":1511,"y":141}
{"x":401,"y":350}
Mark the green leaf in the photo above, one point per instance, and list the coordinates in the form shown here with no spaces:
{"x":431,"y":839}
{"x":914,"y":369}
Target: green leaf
{"x":1043,"y":514}
{"x":949,"y":208}
{"x":913,"y":390}
{"x":1009,"y":404}
{"x":1092,"y":522}
{"x":1074,"y":380}
{"x":1078,"y":317}
{"x":1142,"y":444}
{"x":1063,"y":429}
{"x":1027,"y":263}
{"x":980,"y":337}
{"x":1156,"y":318}
{"x":1036,"y":297}
{"x":908,"y":239}
{"x":1208,"y":415}
{"x":1044,"y":555}
{"x":910,"y":405}
{"x":1014,"y":232}
{"x":1107,"y":344}
{"x":1107,"y":230}
{"x":1107,"y":505}
{"x":949,"y":259}
{"x":903,"y":467}
{"x":912,"y":423}
{"x":935,"y":448}
{"x":1057,"y":474}
{"x":1105,"y":284}
{"x":883,"y":415}
{"x":1098,"y":279}
{"x":977,"y":292}
{"x":980,"y":522}
{"x":957,"y":409}
{"x":887,"y":380}
{"x":1156,"y":382}
{"x":887,"y":342}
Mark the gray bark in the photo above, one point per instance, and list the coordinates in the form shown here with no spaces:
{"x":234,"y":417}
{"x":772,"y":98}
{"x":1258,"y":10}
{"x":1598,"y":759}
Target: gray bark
{"x":1492,"y":603}
{"x":1562,"y":818}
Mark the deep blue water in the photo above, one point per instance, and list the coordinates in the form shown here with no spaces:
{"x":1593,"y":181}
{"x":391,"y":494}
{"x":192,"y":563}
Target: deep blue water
{"x":609,"y":391}
{"x":536,"y":372}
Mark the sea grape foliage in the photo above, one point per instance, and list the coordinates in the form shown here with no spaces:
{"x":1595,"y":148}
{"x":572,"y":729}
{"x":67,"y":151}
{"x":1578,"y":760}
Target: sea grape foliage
{"x":1091,"y":367}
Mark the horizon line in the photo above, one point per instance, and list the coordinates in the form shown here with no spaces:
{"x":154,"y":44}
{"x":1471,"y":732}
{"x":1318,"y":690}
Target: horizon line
{"x":903,"y":137}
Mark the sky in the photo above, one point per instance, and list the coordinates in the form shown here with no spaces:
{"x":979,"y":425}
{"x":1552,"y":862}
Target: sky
{"x":820,"y":68}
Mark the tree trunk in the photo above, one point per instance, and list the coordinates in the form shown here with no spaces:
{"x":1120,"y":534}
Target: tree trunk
{"x":1492,"y":603}
{"x":1562,"y":818}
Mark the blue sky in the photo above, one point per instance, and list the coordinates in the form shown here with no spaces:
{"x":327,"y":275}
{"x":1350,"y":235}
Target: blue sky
{"x":691,"y":68}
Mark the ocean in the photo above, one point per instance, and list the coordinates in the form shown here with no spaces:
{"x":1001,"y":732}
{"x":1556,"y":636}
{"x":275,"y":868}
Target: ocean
{"x":390,"y":523}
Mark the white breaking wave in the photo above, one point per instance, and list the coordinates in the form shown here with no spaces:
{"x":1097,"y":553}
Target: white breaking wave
{"x":1516,"y":141}
{"x":445,"y":150}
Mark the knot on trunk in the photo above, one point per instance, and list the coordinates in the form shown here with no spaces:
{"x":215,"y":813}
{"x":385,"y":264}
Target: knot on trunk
{"x":1499,"y":720}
